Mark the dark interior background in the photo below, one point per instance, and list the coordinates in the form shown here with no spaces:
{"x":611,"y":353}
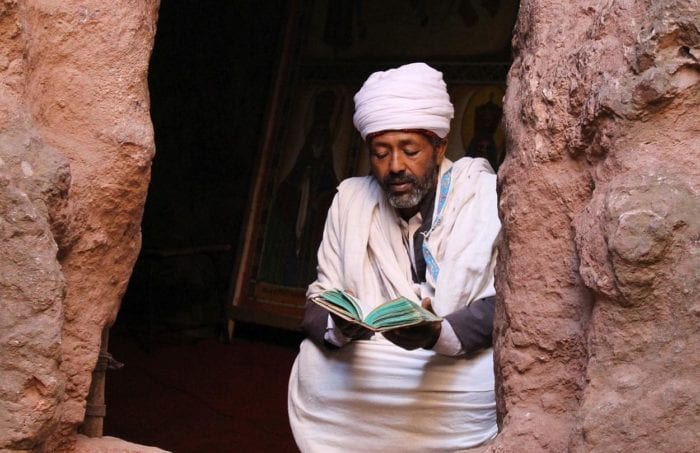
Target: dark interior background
{"x":209,"y":80}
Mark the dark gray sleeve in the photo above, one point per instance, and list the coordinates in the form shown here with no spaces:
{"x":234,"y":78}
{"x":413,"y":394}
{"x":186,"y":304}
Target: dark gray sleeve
{"x":473,"y":324}
{"x":314,"y":323}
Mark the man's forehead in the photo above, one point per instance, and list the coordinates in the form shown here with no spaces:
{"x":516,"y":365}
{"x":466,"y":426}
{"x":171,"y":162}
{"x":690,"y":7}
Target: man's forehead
{"x":398,"y":137}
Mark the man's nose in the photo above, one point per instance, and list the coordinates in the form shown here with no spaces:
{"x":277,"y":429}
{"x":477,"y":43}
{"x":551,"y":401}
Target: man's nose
{"x":396,"y":164}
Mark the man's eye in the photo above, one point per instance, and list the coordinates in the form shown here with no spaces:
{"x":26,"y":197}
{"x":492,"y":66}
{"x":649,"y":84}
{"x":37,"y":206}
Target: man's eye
{"x":379,"y":155}
{"x":411,"y":152}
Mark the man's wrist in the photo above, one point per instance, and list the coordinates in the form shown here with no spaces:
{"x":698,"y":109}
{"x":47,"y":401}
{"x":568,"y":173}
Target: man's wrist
{"x":436,"y":332}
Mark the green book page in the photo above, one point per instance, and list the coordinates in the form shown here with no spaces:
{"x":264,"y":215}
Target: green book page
{"x":343,"y":301}
{"x":399,"y":312}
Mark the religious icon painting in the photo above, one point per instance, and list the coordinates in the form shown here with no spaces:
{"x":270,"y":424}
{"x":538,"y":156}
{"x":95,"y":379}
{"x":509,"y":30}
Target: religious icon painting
{"x":318,"y":149}
{"x":476,"y":129}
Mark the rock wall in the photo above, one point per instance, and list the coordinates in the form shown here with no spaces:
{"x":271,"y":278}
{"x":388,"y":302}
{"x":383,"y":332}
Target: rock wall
{"x":76,"y":143}
{"x":598,"y":338}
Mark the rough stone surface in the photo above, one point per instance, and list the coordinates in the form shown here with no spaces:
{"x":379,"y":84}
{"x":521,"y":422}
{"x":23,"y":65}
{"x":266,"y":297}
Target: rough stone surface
{"x":598,"y":336}
{"x":76,"y":144}
{"x":32,"y":290}
{"x":109,"y":444}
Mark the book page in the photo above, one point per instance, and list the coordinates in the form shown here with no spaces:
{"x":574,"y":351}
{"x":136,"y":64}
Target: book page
{"x":340,"y":303}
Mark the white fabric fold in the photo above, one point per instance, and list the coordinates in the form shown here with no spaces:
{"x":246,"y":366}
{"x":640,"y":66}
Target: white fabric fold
{"x":371,"y":396}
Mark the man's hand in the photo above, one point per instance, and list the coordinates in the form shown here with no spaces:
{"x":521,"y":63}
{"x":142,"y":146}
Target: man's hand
{"x":423,"y":335}
{"x":350,"y":329}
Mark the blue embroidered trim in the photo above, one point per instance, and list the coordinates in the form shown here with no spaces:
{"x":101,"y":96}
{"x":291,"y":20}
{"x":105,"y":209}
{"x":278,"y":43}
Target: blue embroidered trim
{"x":430,"y":262}
{"x":444,"y":189}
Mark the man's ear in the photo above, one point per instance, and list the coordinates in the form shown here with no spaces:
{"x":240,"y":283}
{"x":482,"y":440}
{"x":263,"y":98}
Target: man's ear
{"x":440,"y":152}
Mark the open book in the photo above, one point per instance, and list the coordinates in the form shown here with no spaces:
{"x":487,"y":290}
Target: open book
{"x":393,"y":314}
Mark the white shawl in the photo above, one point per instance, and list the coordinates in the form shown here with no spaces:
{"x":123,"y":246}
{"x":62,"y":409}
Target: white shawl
{"x":363,"y":251}
{"x":371,"y":395}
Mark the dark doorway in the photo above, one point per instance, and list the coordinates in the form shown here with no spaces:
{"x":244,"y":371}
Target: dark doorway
{"x":182,"y":387}
{"x":186,"y":386}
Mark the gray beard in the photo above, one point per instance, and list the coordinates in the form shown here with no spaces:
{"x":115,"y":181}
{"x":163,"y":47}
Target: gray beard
{"x":419,"y":190}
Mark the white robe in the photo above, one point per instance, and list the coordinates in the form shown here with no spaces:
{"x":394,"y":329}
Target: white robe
{"x":372,"y":395}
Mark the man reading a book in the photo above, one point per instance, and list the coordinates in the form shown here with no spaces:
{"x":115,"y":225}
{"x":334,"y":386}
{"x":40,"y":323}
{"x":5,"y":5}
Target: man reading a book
{"x":420,"y":227}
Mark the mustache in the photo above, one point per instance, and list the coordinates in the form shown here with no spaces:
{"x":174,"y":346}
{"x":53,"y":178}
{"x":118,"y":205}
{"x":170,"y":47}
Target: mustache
{"x":399,"y":179}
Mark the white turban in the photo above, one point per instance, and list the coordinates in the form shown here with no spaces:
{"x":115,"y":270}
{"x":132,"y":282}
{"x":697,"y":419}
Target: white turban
{"x":413,"y":96}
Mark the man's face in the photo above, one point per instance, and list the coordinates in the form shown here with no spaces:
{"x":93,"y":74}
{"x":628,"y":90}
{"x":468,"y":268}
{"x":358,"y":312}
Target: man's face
{"x":405,"y":164}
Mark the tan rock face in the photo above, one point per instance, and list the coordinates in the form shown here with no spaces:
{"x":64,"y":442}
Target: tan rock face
{"x":111,"y":445}
{"x":32,"y":290}
{"x":598,"y":322}
{"x":76,"y":144}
